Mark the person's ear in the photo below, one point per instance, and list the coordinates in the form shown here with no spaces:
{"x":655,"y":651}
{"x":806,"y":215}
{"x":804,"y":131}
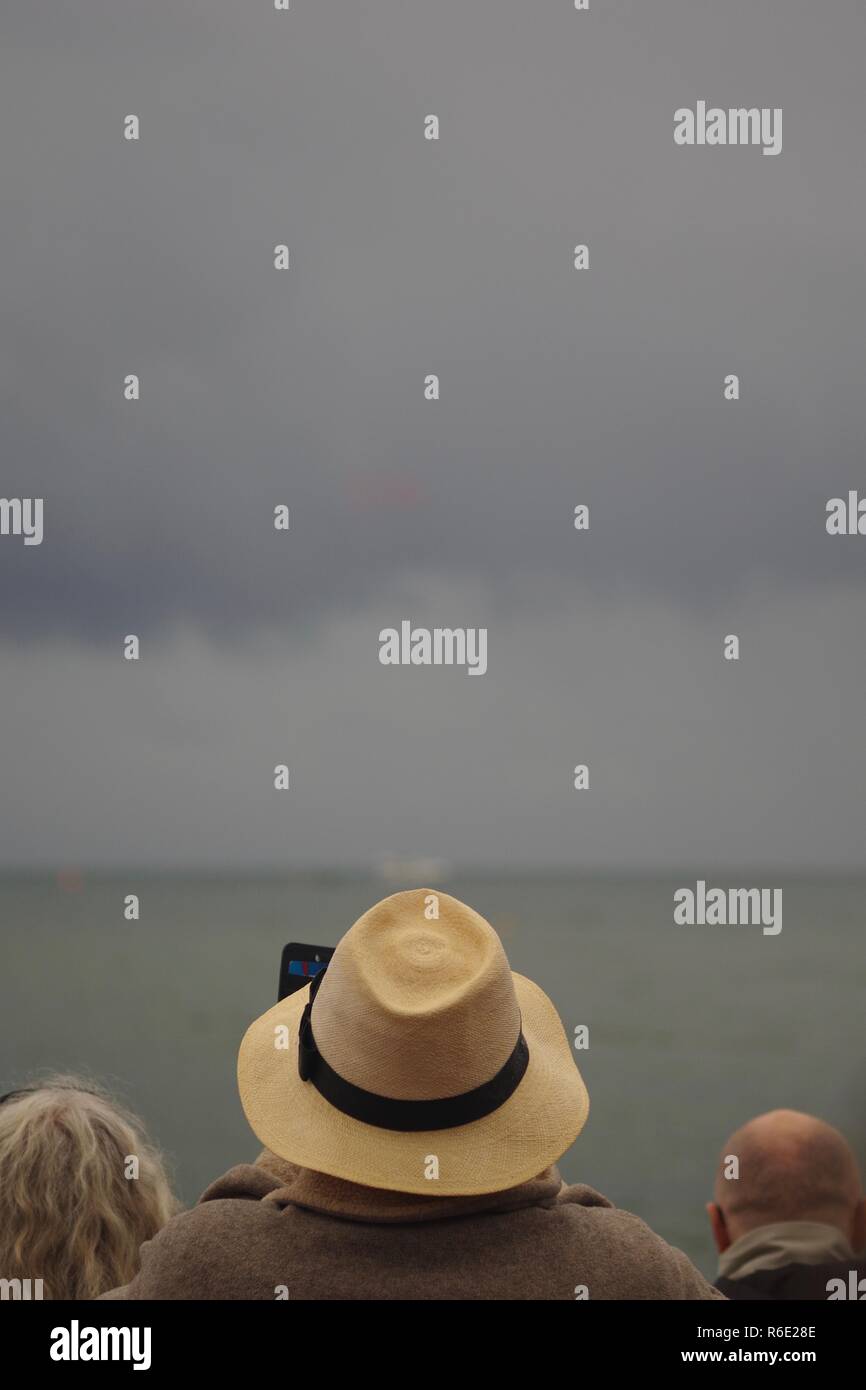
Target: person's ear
{"x":718,"y":1226}
{"x":858,"y":1226}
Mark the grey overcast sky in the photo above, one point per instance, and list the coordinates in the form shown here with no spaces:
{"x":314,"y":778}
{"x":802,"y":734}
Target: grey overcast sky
{"x":305,"y":387}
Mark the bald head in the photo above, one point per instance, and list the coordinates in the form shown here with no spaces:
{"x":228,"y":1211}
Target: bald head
{"x":791,"y":1167}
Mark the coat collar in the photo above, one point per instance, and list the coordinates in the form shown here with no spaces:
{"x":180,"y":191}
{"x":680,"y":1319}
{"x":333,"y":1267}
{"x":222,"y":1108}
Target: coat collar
{"x":784,"y":1243}
{"x":284,"y":1184}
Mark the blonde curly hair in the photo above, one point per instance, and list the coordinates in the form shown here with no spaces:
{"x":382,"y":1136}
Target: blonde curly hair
{"x":70,"y":1214}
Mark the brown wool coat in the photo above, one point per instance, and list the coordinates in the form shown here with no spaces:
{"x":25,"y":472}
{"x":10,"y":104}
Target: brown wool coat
{"x":273,"y":1230}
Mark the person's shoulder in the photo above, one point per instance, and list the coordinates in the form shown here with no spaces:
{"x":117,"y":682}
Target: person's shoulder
{"x":836,"y":1280}
{"x":189,"y":1257}
{"x":627,"y":1253}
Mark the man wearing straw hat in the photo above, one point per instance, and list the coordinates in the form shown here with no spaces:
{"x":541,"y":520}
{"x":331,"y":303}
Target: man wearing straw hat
{"x":413,"y":1102}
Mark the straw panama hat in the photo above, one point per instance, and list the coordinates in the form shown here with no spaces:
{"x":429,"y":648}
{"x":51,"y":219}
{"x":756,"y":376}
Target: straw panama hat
{"x":416,"y":1040}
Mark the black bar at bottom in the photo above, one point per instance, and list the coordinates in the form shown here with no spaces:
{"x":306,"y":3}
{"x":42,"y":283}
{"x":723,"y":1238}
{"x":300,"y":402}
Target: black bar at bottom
{"x":414,"y":1339}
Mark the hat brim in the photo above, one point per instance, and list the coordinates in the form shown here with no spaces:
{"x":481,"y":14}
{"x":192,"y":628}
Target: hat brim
{"x":533,"y":1128}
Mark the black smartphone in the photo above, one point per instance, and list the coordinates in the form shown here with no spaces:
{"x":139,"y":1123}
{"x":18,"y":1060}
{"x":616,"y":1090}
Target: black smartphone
{"x":300,"y":964}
